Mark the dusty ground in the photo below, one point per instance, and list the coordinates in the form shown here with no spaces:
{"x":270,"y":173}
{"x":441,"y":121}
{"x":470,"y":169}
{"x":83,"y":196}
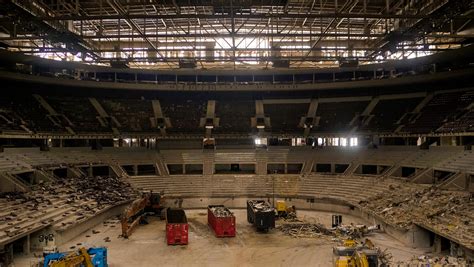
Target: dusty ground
{"x":147,"y":245}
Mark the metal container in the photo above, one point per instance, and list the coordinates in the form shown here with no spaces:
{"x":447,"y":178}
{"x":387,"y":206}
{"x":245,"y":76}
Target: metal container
{"x":261,"y":214}
{"x":222,"y":220}
{"x":176,"y":227}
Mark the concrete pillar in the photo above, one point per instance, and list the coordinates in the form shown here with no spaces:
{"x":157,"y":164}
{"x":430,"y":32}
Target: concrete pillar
{"x":437,"y":244}
{"x":333,"y":168}
{"x":135,"y":170}
{"x":26,"y":245}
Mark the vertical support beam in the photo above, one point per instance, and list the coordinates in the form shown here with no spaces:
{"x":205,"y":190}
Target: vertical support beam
{"x":312,"y":110}
{"x":259,"y":115}
{"x":158,"y":114}
{"x":210,"y":114}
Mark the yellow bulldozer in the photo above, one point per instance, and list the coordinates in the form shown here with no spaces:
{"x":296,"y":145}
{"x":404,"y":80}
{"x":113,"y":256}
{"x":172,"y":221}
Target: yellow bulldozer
{"x":283,"y":211}
{"x":352,"y":254}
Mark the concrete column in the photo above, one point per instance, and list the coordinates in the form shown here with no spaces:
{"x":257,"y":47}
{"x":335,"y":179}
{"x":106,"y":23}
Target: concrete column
{"x":26,"y":245}
{"x":437,"y":244}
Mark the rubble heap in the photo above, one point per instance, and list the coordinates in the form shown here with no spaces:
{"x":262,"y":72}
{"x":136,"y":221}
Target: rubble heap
{"x":60,"y":204}
{"x":221,"y":211}
{"x":310,"y":230}
{"x":434,"y":261}
{"x":306,"y":230}
{"x":263,"y":206}
{"x":450,"y":213}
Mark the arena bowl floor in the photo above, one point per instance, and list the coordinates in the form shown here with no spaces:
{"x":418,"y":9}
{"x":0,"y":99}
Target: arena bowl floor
{"x":147,"y":246}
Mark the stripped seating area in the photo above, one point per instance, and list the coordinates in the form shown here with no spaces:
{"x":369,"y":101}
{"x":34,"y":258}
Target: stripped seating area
{"x":41,"y":114}
{"x":59,"y":205}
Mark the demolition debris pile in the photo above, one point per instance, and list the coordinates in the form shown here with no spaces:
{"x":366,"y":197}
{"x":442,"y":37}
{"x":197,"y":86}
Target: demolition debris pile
{"x":311,"y":230}
{"x":449,"y":212}
{"x":435,"y":261}
{"x":60,"y":204}
{"x":221,"y":212}
{"x":262,"y":206}
{"x":304,"y":230}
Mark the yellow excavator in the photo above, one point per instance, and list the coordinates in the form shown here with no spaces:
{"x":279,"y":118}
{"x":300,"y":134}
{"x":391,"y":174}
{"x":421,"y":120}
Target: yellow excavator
{"x":283,"y":211}
{"x":351,"y":254}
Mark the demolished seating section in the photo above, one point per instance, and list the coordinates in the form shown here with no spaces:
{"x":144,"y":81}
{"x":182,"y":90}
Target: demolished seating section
{"x":463,"y":124}
{"x":336,"y":117}
{"x":444,"y":113}
{"x":234,"y":116}
{"x":28,"y":110}
{"x":440,"y":108}
{"x":132,"y":114}
{"x":185,"y":115}
{"x":79,"y":111}
{"x":284,"y":118}
{"x":388,"y":112}
{"x":60,"y":204}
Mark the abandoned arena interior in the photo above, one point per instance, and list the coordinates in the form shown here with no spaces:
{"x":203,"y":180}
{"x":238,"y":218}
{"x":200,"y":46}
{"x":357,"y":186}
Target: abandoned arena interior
{"x":236,"y":133}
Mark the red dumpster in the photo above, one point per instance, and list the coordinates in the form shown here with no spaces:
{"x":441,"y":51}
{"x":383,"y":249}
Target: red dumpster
{"x":176,"y":227}
{"x":222,"y":220}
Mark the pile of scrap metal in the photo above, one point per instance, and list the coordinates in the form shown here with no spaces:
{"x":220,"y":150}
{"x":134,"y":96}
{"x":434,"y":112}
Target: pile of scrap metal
{"x":136,"y":211}
{"x":354,"y":231}
{"x":261,"y":206}
{"x":306,"y":230}
{"x":309,"y":230}
{"x":220,"y":211}
{"x":92,"y":257}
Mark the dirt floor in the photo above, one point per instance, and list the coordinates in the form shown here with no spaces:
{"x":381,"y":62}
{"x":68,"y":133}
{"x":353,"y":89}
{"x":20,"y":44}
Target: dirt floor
{"x":147,"y":245}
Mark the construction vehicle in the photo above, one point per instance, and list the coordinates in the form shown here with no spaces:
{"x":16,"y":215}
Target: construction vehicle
{"x":92,"y":257}
{"x":283,"y":211}
{"x":352,"y":254}
{"x":135,"y":212}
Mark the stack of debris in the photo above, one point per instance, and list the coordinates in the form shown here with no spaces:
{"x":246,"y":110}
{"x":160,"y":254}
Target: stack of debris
{"x":220,"y":211}
{"x":435,"y":261}
{"x":342,"y":232}
{"x":306,"y":230}
{"x":445,"y":211}
{"x":263,"y":206}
